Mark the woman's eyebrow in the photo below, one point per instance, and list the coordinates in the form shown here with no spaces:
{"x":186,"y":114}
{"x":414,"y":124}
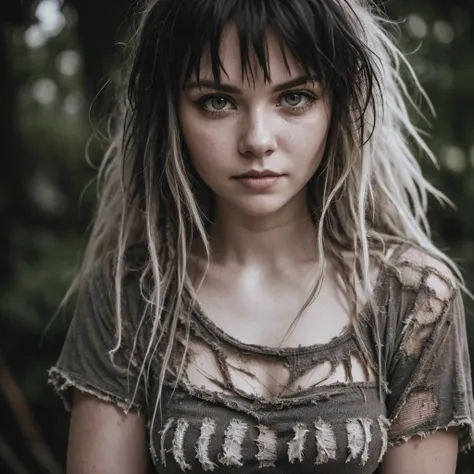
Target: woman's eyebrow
{"x":210,"y":84}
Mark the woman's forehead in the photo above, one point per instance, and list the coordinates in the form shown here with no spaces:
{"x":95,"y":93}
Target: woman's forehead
{"x":281,"y":65}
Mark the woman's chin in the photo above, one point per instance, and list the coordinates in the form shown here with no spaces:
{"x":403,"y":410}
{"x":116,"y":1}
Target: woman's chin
{"x":262,"y":206}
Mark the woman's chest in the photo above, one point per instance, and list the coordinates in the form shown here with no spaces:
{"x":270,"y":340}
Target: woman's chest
{"x":341,"y":429}
{"x":260,"y":309}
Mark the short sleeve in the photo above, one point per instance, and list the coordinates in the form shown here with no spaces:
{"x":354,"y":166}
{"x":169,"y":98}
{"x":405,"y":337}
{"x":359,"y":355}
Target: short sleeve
{"x":85,"y":362}
{"x":429,"y":373}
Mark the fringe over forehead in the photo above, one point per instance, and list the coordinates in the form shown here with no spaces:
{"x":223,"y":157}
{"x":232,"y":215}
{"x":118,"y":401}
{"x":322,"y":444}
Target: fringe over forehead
{"x":324,"y":36}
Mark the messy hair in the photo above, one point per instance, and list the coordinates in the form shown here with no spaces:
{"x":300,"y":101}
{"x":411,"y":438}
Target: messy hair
{"x":368,"y":193}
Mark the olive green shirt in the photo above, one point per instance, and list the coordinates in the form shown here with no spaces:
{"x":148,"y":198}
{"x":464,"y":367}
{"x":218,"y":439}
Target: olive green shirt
{"x":425,"y":379}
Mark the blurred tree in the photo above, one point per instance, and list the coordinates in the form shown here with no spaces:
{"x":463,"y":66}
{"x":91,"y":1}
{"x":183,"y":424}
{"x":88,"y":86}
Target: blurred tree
{"x":99,"y":27}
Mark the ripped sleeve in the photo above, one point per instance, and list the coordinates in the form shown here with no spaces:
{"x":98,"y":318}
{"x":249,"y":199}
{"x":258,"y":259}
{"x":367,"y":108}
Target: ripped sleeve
{"x":86,"y":362}
{"x":429,"y":377}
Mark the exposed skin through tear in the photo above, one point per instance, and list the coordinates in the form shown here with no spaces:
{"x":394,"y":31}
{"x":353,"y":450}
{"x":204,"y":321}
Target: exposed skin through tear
{"x":219,"y":369}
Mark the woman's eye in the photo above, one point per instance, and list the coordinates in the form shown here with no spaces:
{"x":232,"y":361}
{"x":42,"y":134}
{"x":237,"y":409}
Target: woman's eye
{"x":215,"y":104}
{"x":295,"y":99}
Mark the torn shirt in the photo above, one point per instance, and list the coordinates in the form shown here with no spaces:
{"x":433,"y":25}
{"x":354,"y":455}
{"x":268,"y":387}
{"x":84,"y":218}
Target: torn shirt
{"x":335,"y":425}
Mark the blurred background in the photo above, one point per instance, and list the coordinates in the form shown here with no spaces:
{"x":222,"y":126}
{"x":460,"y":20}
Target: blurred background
{"x":55,"y":58}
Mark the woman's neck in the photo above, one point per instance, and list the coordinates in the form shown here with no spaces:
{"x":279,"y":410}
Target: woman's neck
{"x":285,"y":237}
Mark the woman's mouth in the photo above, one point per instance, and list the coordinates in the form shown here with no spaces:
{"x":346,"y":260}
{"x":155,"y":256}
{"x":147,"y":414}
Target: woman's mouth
{"x":258,"y":180}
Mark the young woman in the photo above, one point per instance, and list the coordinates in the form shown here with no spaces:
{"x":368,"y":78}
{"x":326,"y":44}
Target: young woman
{"x":260,"y":292}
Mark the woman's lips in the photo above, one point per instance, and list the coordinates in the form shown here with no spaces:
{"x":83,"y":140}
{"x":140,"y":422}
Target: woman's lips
{"x":259,"y":182}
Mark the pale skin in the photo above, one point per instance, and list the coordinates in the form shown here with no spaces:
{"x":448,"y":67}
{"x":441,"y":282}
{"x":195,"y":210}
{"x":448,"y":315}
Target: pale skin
{"x":263,"y":248}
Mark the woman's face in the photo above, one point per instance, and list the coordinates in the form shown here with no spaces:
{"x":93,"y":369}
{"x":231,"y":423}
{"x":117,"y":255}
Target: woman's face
{"x":255,"y":145}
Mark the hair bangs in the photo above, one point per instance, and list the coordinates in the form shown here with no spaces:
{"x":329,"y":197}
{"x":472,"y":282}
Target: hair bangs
{"x":322,"y":36}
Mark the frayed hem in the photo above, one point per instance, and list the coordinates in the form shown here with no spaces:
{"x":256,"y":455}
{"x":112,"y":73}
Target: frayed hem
{"x":62,"y":381}
{"x":466,"y":436}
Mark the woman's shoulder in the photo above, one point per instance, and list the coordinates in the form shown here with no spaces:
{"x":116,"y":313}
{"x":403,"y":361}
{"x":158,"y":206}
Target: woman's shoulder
{"x":414,"y":269}
{"x":424,"y":347}
{"x":419,"y":293}
{"x":97,"y":286}
{"x":415,"y":286}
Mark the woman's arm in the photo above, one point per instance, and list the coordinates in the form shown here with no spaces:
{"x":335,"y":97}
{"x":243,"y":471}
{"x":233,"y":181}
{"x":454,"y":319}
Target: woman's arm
{"x":103,"y":440}
{"x":435,"y":454}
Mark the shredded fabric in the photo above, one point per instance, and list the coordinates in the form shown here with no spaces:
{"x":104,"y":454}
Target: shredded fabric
{"x":243,"y":406}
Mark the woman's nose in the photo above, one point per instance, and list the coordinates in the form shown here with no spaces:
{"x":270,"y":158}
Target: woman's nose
{"x":258,"y":138}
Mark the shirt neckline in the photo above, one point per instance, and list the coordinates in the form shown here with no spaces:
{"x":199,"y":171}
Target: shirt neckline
{"x":346,"y":334}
